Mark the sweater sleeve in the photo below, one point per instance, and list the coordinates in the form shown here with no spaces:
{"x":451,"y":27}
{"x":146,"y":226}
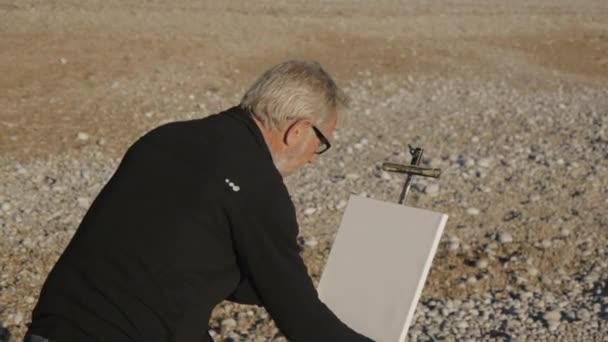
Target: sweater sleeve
{"x":265,"y":229}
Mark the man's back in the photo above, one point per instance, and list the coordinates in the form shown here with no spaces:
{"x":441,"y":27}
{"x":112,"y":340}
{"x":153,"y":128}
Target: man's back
{"x":154,"y":250}
{"x":196,"y":213}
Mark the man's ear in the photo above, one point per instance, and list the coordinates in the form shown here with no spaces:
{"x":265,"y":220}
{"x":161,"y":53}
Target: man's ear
{"x":295,"y":132}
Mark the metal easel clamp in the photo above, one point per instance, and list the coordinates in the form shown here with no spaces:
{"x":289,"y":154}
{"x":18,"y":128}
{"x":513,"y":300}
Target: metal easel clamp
{"x":411,"y":170}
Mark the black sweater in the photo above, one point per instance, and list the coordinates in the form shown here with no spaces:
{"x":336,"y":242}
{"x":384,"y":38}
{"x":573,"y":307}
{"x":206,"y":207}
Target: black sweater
{"x":196,"y":213}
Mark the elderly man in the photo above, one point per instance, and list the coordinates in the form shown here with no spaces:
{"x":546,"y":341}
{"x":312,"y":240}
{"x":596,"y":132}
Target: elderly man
{"x":196,"y":213}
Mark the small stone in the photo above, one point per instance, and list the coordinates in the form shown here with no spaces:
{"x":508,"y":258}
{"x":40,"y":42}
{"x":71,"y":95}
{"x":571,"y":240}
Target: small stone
{"x":552,"y":316}
{"x":453,"y":245}
{"x":565,"y":232}
{"x":504,"y":237}
{"x":83,"y":202}
{"x":481,"y":263}
{"x":6,"y":206}
{"x":385,"y":175}
{"x":309,"y":211}
{"x":432,"y":189}
{"x":533,"y":271}
{"x":583,"y":314}
{"x":590,"y":278}
{"x":63,"y":61}
{"x":473,"y":211}
{"x":29,"y":299}
{"x":352,"y":176}
{"x":341,"y":204}
{"x":18,"y":318}
{"x":435,"y":163}
{"x":462,"y":325}
{"x":485,"y":162}
{"x":228,"y":324}
{"x":526,"y":295}
{"x":553,"y":325}
{"x":83,"y":136}
{"x":312,"y":242}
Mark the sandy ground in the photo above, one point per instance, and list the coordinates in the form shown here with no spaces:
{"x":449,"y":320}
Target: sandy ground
{"x":69,"y":66}
{"x":104,"y":67}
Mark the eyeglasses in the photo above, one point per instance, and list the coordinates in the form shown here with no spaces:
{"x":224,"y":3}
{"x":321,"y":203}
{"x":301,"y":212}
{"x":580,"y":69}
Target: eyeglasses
{"x":324,"y":145}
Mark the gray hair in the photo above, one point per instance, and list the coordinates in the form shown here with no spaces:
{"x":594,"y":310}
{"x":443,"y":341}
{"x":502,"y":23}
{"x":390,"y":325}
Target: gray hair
{"x":293,"y":90}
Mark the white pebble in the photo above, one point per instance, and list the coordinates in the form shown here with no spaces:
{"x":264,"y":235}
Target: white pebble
{"x":341,"y":204}
{"x":83,"y":136}
{"x":473,"y":211}
{"x":453,"y":245}
{"x":583,"y":314}
{"x":432,"y":189}
{"x":485,"y":162}
{"x":462,"y":325}
{"x":385,"y":175}
{"x":63,"y":61}
{"x":311,"y":242}
{"x":352,"y":176}
{"x":309,"y":211}
{"x":504,"y":237}
{"x":565,"y":232}
{"x":229,"y":323}
{"x":83,"y":202}
{"x":554,"y":316}
{"x":481,"y":263}
{"x":6,"y":206}
{"x":18,"y":318}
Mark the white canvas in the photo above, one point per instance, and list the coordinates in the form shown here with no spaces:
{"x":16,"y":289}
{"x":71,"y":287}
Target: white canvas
{"x":378,"y":265}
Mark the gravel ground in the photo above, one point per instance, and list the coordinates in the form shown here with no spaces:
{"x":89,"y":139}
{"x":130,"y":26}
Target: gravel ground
{"x":511,"y":103}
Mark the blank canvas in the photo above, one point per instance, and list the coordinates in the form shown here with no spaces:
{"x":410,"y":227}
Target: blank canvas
{"x":378,"y":265}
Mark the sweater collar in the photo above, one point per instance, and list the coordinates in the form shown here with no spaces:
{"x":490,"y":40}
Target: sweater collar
{"x":246,"y":118}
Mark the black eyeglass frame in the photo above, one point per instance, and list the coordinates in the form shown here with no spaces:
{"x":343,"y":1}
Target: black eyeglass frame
{"x":325,"y":144}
